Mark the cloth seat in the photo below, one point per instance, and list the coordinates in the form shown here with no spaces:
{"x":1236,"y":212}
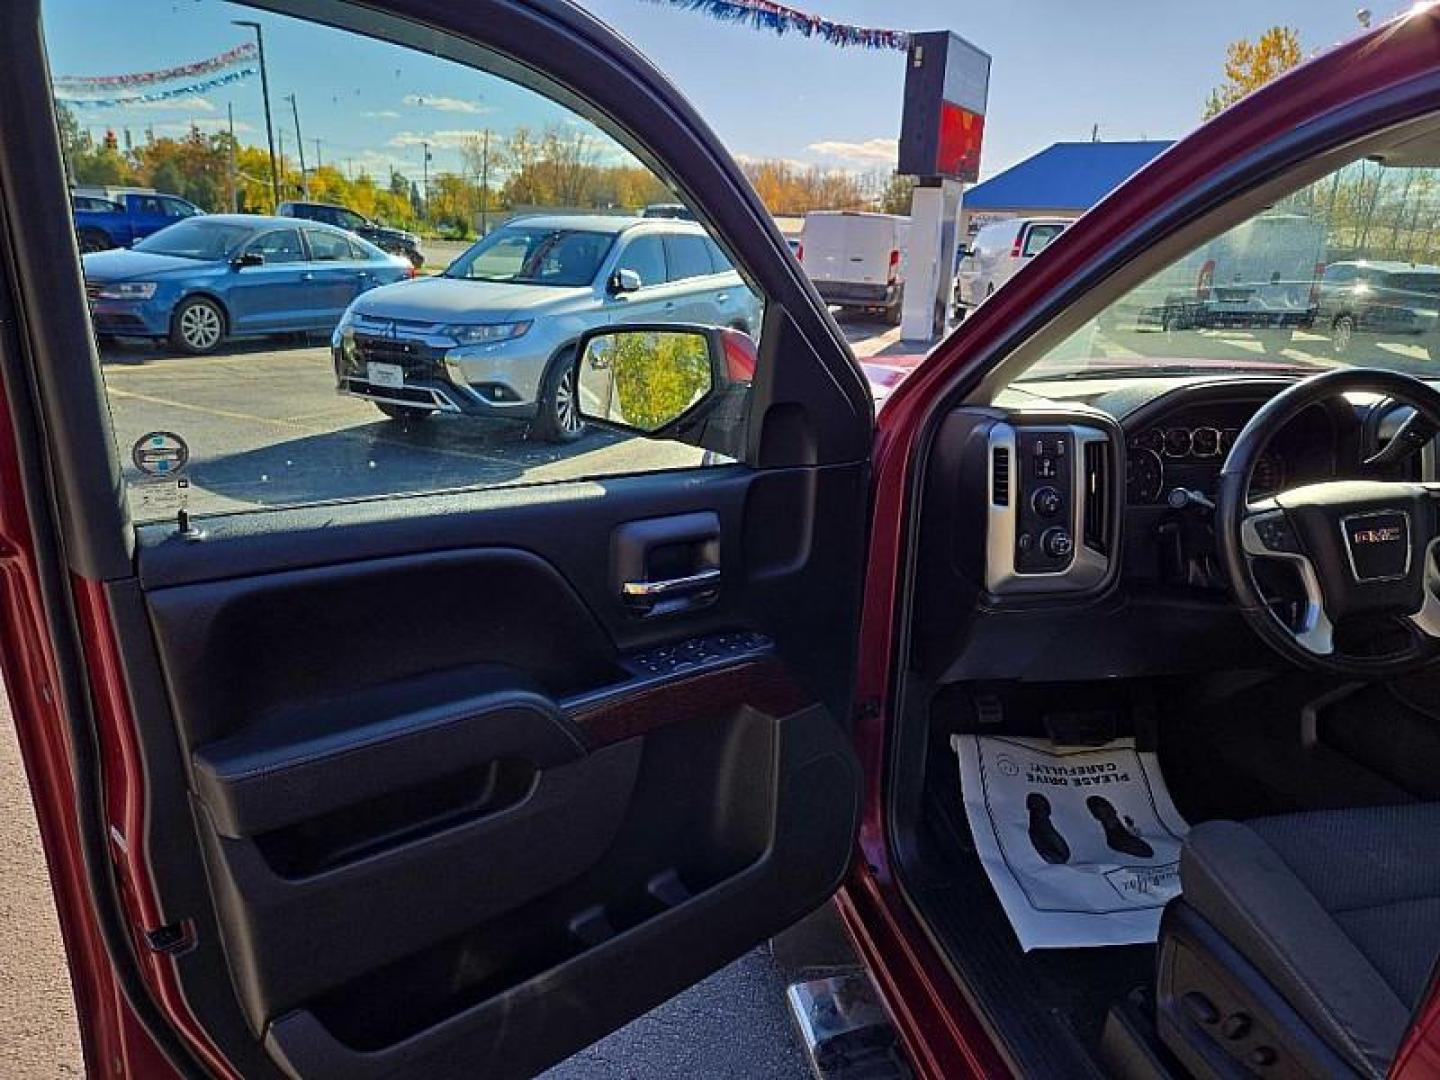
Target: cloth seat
{"x":1338,"y":910}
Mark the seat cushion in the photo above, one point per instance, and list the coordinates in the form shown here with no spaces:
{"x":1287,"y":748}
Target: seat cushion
{"x":1340,"y":910}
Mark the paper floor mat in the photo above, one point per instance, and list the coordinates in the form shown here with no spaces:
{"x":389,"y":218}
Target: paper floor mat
{"x":1082,"y":845}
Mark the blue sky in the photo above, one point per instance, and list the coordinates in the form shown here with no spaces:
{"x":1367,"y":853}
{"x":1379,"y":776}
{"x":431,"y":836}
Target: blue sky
{"x":1137,"y":68}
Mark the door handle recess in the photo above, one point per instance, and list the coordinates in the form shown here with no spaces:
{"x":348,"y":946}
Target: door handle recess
{"x":652,"y":596}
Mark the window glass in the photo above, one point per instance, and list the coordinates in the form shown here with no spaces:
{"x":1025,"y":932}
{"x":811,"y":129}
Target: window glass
{"x":1038,"y":237}
{"x":326,"y":246}
{"x":688,"y":256}
{"x":536,"y":253}
{"x":196,"y":238}
{"x":718,"y":262}
{"x":646,"y":256}
{"x":278,"y":246}
{"x":445,"y":368}
{"x":1345,"y":271}
{"x":175,"y":208}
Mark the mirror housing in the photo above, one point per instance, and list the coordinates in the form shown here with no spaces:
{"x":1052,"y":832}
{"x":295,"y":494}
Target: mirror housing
{"x":624,"y":281}
{"x":668,"y":381}
{"x":248,"y":258}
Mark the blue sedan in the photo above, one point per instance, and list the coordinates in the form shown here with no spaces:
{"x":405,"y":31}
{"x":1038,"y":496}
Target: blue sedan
{"x":210,"y":278}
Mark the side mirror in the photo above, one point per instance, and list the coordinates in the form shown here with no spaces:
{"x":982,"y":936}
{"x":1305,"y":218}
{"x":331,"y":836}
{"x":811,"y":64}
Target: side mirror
{"x":624,"y":281}
{"x":688,"y":383}
{"x":248,"y":258}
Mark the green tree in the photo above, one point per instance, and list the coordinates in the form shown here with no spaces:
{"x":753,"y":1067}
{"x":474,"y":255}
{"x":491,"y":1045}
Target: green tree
{"x":1249,"y":65}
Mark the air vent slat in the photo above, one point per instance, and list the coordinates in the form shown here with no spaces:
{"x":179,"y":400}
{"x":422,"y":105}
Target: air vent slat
{"x":1097,"y":497}
{"x":1000,"y":476}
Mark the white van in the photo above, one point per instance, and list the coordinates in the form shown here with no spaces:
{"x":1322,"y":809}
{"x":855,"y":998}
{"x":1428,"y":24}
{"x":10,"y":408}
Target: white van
{"x":856,"y":260}
{"x":1000,"y":249}
{"x":1262,"y":274}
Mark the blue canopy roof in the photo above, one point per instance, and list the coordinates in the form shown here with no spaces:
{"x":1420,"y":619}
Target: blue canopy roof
{"x":1066,"y":176}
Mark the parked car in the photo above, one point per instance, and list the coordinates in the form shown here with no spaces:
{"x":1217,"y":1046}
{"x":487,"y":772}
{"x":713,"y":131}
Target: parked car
{"x":205,"y":280}
{"x":856,"y":260}
{"x":1363,"y":301}
{"x":456,"y":780}
{"x":494,"y":335}
{"x":129,"y":216}
{"x":395,"y":241}
{"x":998,"y":252}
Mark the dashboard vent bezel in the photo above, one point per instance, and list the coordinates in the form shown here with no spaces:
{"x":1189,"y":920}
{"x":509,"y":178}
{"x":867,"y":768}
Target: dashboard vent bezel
{"x":1097,"y":493}
{"x":1000,"y":475}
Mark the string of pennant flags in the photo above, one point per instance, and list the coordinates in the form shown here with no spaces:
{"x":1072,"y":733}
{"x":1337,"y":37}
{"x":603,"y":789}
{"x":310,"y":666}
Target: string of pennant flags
{"x":98,"y":83}
{"x":781,"y":19}
{"x":168,"y":94}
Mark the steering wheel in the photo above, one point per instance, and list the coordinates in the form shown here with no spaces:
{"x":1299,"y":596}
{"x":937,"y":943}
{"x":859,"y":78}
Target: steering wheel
{"x":1363,"y":549}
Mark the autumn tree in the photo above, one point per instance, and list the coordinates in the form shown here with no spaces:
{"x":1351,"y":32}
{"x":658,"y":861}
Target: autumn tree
{"x":1249,"y":65}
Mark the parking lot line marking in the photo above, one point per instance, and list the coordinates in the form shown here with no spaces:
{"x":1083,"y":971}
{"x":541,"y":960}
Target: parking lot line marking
{"x":226,"y":414}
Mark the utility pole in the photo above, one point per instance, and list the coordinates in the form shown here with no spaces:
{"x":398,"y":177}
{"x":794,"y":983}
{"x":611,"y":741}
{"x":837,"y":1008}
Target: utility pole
{"x":281,"y":174}
{"x":234,"y":190}
{"x":300,"y":144}
{"x":265,"y":93}
{"x":485,"y":184}
{"x":425,"y":184}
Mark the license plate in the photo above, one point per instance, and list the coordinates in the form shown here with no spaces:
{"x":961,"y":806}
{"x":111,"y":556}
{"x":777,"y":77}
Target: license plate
{"x":385,"y":375}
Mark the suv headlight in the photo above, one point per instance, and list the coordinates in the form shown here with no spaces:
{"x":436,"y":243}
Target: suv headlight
{"x":127,"y":290}
{"x":485,"y":333}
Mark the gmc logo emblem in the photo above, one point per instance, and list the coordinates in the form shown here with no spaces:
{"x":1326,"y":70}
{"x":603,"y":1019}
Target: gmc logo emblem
{"x":1386,"y":535}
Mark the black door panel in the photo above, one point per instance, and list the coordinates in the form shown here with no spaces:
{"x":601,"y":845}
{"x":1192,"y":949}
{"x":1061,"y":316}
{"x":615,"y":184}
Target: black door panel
{"x":462,"y":806}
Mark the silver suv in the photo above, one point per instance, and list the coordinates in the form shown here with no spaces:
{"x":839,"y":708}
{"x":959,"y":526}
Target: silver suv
{"x":494,"y":335}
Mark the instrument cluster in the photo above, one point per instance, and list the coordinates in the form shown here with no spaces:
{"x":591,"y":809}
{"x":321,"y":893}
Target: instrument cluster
{"x":1162,"y":457}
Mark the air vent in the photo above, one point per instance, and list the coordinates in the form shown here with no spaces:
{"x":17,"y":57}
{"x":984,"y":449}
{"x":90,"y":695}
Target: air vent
{"x":1000,"y":476}
{"x":1097,"y":497}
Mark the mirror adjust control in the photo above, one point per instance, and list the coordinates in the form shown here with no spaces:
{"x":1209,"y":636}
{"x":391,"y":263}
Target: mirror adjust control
{"x":1047,"y":501}
{"x":1056,"y":543}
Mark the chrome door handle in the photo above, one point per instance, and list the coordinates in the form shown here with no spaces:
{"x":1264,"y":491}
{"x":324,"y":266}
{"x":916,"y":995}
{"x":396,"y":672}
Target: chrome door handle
{"x":720,"y":298}
{"x":649,"y":596}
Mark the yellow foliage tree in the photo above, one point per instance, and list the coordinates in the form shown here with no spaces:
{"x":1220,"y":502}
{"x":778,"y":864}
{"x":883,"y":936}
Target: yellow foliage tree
{"x":1249,"y":65}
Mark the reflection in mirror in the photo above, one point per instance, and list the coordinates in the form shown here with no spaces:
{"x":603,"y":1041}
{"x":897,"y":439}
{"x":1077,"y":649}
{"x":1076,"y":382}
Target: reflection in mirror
{"x":644,"y":378}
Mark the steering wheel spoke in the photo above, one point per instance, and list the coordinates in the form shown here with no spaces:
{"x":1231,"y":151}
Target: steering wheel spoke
{"x":1266,"y":533}
{"x":1427,"y":619}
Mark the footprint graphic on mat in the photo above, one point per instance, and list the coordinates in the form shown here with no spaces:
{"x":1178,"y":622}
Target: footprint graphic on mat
{"x":1047,"y":841}
{"x":1120,"y":835}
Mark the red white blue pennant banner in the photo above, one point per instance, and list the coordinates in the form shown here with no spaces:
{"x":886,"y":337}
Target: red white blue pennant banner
{"x":90,"y":84}
{"x":766,"y":15}
{"x":155,"y":95}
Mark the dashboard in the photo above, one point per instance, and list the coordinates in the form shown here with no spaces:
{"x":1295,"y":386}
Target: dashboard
{"x":1049,"y":546}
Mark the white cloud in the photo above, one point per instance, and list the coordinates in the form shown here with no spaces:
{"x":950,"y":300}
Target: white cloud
{"x":444,"y":104}
{"x":381,"y":114}
{"x":184,"y":103}
{"x":767,"y":159}
{"x":451,"y":139}
{"x":871,"y":152}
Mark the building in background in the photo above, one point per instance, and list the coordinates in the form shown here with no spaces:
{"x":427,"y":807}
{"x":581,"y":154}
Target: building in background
{"x":1064,"y":180}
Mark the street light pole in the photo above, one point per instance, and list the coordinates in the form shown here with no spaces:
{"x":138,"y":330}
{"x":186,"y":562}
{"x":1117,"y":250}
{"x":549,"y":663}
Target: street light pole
{"x":300,"y":143}
{"x":265,"y":93}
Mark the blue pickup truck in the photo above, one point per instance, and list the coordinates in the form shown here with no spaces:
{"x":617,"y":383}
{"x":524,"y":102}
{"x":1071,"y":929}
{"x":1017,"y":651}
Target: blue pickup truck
{"x":126,"y":217}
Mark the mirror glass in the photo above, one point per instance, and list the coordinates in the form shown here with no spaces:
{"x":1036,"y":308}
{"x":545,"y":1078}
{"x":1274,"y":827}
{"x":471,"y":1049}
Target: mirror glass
{"x":643,"y":379}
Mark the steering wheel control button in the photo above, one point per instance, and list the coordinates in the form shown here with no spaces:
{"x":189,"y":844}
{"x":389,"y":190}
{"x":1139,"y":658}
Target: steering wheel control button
{"x":1275,"y":533}
{"x":1236,"y":1026}
{"x":1057,"y":544}
{"x":1047,"y":502}
{"x":1200,"y":1008}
